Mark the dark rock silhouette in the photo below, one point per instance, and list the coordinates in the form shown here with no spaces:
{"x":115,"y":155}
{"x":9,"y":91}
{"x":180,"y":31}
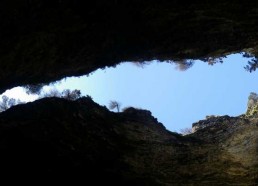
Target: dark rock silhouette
{"x":79,"y":140}
{"x":43,"y":41}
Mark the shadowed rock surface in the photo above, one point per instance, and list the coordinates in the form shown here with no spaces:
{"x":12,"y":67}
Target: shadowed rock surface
{"x":80,"y":140}
{"x":46,"y":40}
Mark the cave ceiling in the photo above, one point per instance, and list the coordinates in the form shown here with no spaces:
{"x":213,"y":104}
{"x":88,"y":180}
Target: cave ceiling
{"x":44,"y":41}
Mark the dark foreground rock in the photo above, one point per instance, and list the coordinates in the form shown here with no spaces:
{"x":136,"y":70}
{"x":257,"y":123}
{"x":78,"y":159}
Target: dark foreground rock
{"x":82,"y":141}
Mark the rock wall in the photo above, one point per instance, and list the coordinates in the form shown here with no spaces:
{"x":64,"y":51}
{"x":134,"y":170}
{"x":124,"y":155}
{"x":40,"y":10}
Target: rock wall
{"x":46,"y":40}
{"x":60,"y":141}
{"x":213,"y":122}
{"x":252,"y":105}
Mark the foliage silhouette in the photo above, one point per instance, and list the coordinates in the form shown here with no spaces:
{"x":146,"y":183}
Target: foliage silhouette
{"x":34,"y":88}
{"x":66,"y":94}
{"x":7,"y":103}
{"x":186,"y":131}
{"x":114,"y":104}
{"x":71,"y":95}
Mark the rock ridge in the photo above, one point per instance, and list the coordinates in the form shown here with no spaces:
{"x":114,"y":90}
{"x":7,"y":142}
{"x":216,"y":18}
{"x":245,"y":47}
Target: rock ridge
{"x":80,"y":140}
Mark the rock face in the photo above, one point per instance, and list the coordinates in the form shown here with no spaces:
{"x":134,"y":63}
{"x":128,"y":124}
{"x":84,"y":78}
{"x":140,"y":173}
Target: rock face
{"x":82,"y":141}
{"x":213,"y":122}
{"x":252,"y":105}
{"x":46,"y":40}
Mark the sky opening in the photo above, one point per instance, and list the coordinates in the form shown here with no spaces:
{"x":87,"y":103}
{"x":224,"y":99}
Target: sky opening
{"x":176,"y":98}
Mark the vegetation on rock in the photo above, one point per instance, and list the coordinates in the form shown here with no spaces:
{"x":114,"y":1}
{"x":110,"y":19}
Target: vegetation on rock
{"x":114,"y":105}
{"x":7,"y":103}
{"x":252,"y":105}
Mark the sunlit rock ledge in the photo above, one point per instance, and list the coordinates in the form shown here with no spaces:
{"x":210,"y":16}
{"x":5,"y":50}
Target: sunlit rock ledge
{"x":212,"y":121}
{"x":216,"y":120}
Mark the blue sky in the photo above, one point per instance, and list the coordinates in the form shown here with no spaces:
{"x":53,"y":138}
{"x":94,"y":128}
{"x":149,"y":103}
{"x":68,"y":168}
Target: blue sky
{"x":176,"y":98}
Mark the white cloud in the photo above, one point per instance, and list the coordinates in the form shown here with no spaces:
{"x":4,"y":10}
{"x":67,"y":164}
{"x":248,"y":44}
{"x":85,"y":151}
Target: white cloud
{"x":19,"y":93}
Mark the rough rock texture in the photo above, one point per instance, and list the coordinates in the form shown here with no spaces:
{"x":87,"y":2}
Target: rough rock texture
{"x":46,"y":40}
{"x":82,"y":141}
{"x":252,"y":106}
{"x":213,"y":121}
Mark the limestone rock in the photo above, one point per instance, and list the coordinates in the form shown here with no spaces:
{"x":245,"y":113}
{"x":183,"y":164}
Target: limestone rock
{"x":81,"y":141}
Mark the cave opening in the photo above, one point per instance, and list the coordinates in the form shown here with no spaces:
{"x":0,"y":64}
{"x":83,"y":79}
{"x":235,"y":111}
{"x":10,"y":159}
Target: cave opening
{"x":177,"y":97}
